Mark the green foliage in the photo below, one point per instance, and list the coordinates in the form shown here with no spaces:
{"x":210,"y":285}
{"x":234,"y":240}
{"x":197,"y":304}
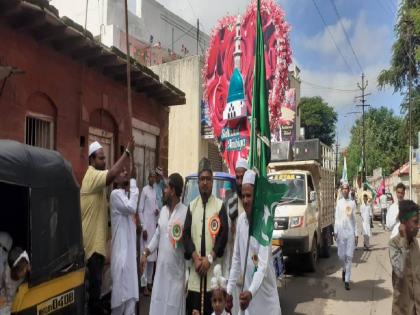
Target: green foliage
{"x":385,"y":142}
{"x":415,"y":115}
{"x":318,"y":118}
{"x":407,"y":32}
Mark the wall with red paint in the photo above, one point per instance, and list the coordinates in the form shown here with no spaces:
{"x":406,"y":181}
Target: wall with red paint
{"x":77,"y":95}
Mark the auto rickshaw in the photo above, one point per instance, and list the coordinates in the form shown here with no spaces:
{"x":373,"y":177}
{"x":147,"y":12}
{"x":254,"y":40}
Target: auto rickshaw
{"x":40,"y":209}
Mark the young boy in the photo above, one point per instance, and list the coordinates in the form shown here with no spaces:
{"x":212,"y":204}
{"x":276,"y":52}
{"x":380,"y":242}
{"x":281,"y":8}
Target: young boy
{"x":15,"y":273}
{"x":366,"y":214}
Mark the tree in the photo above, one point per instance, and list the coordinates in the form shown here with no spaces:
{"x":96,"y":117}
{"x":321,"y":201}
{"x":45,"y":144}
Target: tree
{"x":406,"y":49}
{"x":405,"y":62}
{"x":318,"y":119}
{"x":385,"y":142}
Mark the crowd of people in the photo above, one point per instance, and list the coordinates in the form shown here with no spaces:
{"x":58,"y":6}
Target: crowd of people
{"x":191,"y":257}
{"x":402,"y":220}
{"x":198,"y":259}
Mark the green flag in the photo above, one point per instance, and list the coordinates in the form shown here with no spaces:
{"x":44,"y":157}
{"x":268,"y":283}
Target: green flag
{"x":344,"y":174}
{"x":360,"y":167}
{"x":260,"y":126}
{"x":370,"y":188}
{"x":266,"y":195}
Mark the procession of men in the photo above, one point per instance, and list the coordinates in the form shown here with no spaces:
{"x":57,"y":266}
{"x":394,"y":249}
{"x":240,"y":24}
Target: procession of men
{"x":182,"y":245}
{"x":207,"y":234}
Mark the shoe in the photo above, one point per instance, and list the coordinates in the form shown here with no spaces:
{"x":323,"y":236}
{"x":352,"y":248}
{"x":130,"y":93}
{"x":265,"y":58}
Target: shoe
{"x":343,"y":275}
{"x":347,"y":286}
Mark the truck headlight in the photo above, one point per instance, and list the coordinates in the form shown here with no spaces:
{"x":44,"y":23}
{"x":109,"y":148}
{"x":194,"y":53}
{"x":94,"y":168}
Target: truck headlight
{"x":296,"y":222}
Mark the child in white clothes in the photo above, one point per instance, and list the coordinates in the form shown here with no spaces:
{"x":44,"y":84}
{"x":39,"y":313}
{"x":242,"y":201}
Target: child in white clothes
{"x":219,"y":294}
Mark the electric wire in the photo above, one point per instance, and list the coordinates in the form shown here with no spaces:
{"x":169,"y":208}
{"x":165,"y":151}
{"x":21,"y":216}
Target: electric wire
{"x":332,"y":37}
{"x":346,"y":35}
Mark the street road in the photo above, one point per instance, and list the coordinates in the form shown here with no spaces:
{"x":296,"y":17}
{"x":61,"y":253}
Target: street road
{"x":323,"y":292}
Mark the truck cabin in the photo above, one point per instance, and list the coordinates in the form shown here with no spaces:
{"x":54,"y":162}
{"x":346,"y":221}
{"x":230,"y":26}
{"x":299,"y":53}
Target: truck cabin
{"x":300,"y":184}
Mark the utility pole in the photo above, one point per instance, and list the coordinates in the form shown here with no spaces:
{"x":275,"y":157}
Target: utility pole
{"x":410,"y":131}
{"x":336,"y":161}
{"x":198,"y":33}
{"x":363,"y":105}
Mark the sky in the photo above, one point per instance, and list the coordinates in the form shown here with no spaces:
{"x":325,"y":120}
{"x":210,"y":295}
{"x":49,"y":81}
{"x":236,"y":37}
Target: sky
{"x":324,"y":71}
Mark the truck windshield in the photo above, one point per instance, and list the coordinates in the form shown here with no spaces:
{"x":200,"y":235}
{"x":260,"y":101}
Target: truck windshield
{"x":222,"y":189}
{"x":296,"y":193}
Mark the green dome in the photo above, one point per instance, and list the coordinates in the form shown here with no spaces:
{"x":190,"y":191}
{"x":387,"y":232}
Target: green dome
{"x":236,"y":87}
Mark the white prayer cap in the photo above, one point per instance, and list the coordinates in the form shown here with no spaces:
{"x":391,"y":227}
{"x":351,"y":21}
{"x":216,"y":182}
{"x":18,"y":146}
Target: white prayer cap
{"x":241,"y":163}
{"x":345,"y":184}
{"x":218,"y":281}
{"x":94,"y":146}
{"x":159,"y":171}
{"x":249,"y":177}
{"x":23,"y":255}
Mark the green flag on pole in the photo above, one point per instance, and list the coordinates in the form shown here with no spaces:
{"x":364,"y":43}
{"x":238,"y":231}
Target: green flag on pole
{"x":260,"y":123}
{"x":266,"y":195}
{"x":344,"y":174}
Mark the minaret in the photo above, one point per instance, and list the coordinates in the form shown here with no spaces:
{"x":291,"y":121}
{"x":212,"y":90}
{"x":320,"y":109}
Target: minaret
{"x":238,"y":52}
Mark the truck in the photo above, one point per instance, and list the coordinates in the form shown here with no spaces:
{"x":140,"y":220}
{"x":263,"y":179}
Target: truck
{"x":303,"y":220}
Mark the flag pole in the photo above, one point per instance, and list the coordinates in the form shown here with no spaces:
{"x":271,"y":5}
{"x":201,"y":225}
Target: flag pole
{"x":127,"y":42}
{"x":253,"y":131}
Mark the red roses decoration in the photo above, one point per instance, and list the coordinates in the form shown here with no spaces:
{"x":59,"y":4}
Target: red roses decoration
{"x":219,"y":67}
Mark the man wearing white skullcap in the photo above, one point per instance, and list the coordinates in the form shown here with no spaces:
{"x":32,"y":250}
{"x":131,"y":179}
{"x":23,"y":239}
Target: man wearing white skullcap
{"x":345,"y":231}
{"x":260,"y":280}
{"x":235,"y":208}
{"x":94,"y":212}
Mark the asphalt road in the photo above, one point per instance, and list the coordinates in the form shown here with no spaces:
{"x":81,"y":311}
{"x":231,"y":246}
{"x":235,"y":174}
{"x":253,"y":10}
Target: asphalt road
{"x":323,"y":292}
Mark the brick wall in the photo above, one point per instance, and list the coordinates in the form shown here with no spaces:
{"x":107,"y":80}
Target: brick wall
{"x":55,"y":84}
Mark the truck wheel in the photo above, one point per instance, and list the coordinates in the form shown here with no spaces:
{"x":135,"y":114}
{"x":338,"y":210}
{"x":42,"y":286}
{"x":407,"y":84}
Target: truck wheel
{"x":327,"y":240}
{"x":312,"y":256}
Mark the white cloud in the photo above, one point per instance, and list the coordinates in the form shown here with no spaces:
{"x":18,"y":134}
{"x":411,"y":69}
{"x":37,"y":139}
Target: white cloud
{"x":372,"y":46}
{"x":370,"y":43}
{"x":322,"y":41}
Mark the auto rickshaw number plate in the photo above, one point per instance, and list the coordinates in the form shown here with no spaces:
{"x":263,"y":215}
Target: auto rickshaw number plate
{"x":56,"y":303}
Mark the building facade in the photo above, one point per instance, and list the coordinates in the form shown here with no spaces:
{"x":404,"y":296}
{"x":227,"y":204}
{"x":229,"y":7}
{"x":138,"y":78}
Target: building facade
{"x":66,"y":90}
{"x":186,"y":143}
{"x":156,"y":34}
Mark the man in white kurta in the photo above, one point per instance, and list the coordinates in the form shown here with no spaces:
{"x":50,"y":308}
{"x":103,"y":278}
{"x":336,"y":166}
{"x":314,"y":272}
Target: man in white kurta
{"x":148,"y":213}
{"x":366,"y":214}
{"x":345,"y":232}
{"x":234,"y":211}
{"x":168,"y":295}
{"x":260,"y":289}
{"x":392,"y":222}
{"x":123,"y":202}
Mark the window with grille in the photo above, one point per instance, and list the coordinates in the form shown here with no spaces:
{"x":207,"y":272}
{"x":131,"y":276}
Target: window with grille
{"x":39,"y":132}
